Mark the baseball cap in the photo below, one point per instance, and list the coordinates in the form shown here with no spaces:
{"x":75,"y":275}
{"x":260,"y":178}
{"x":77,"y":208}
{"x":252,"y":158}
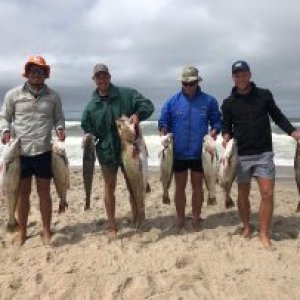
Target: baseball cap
{"x":190,"y":74}
{"x":240,"y":65}
{"x":100,"y":68}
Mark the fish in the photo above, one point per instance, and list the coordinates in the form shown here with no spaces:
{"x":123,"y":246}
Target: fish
{"x":166,"y":165}
{"x":10,"y":177}
{"x":210,"y":167}
{"x":134,"y":157}
{"x":297,"y":171}
{"x":88,"y":166}
{"x":227,"y":170}
{"x":61,"y":173}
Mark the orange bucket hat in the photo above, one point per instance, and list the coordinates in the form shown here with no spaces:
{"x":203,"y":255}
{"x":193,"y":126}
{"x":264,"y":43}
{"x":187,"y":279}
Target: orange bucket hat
{"x":39,"y":61}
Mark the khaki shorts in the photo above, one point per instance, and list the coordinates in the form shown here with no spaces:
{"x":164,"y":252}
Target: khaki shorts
{"x":260,"y":165}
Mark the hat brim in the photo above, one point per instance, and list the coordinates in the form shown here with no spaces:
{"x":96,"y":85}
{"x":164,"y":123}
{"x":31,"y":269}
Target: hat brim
{"x":190,"y":79}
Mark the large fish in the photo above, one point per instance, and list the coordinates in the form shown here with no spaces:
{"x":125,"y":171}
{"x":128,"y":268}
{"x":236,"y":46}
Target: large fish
{"x":227,"y":170}
{"x":10,"y":170}
{"x":297,"y":170}
{"x":60,"y":170}
{"x":210,"y":167}
{"x":88,"y":166}
{"x":134,"y":159}
{"x":166,"y":165}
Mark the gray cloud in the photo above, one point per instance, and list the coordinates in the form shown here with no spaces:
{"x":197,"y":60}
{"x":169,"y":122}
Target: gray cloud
{"x":146,"y":43}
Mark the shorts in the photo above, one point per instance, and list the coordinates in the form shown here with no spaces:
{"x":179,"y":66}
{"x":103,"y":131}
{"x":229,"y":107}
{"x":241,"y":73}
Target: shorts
{"x":181,"y":165}
{"x":261,"y":165}
{"x":38,"y":165}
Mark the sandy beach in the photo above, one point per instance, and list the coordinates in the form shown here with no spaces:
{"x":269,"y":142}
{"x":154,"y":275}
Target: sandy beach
{"x":158,"y":263}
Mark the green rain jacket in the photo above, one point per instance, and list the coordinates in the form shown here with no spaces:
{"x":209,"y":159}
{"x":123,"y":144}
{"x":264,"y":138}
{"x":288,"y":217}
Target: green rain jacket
{"x":99,"y":118}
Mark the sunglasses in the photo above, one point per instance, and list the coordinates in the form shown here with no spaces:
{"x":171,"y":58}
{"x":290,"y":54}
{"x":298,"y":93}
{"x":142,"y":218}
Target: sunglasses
{"x":193,"y":83}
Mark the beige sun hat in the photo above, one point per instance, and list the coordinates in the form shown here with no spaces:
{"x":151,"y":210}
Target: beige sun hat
{"x":189,"y":74}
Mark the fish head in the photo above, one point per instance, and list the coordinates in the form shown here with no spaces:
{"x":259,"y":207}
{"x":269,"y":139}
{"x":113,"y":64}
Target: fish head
{"x":88,"y":140}
{"x":127,"y":131}
{"x":58,"y":147}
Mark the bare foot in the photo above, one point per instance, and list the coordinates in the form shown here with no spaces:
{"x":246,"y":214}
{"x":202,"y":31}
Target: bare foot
{"x":246,"y":232}
{"x":111,"y":233}
{"x":196,"y":223}
{"x":46,"y":237}
{"x":266,"y":242}
{"x":19,"y":239}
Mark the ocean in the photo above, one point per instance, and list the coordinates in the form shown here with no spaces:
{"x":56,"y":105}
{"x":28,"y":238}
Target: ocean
{"x":284,"y":146}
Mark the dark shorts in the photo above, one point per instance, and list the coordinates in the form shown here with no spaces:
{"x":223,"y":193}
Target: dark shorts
{"x":38,"y":165}
{"x":181,"y":165}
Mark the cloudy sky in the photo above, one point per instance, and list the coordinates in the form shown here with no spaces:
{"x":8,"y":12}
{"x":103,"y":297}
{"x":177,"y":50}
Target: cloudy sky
{"x":147,"y":43}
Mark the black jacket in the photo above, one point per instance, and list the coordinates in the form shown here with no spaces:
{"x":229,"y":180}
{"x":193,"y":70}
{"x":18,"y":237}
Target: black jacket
{"x":246,"y":117}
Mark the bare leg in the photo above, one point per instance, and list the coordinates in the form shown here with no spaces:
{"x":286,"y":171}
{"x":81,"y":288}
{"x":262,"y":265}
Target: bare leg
{"x":266,"y":187}
{"x":23,"y":208}
{"x":110,"y":181}
{"x":43,"y":190}
{"x":244,"y":206}
{"x":197,"y":196}
{"x":180,"y":198}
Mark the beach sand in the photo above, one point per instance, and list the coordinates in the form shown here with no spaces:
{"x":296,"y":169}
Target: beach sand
{"x":158,"y":263}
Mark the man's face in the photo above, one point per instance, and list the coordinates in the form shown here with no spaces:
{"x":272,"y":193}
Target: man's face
{"x":241,"y":79}
{"x":102,"y":80}
{"x":190,"y":88}
{"x":36,"y":75}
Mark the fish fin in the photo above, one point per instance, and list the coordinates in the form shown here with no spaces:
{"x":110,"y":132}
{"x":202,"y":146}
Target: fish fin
{"x":166,"y":199}
{"x":148,"y":188}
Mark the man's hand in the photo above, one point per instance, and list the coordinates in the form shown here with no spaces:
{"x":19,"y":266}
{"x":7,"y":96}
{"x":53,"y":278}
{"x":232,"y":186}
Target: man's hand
{"x":163,"y":131}
{"x":296,"y":135}
{"x":61,"y":134}
{"x":5,"y":137}
{"x":213,"y":133}
{"x":134,"y":119}
{"x":226,"y":138}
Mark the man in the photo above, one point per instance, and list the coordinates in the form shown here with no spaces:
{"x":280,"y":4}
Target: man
{"x":246,"y":118}
{"x":108,"y":103}
{"x":187,"y":115}
{"x":30,"y":112}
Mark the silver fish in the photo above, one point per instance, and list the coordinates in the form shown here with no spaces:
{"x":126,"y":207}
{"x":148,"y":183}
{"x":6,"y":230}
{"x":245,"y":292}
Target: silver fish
{"x":166,"y":165}
{"x":297,"y":171}
{"x":210,"y":167}
{"x":227,"y":170}
{"x":60,"y":170}
{"x":134,"y":156}
{"x":88,"y":166}
{"x":10,"y":170}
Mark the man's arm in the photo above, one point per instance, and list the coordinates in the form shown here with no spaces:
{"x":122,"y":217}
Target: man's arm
{"x":6,"y":117}
{"x":59,"y":120}
{"x":164,"y":121}
{"x":214,"y":118}
{"x":143,"y":107}
{"x":227,"y":123}
{"x":278,"y":117}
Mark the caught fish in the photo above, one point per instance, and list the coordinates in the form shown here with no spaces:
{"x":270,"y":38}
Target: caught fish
{"x":297,"y":170}
{"x":60,"y":170}
{"x":227,"y":170}
{"x":134,"y":159}
{"x":210,"y":167}
{"x":10,"y":171}
{"x":166,"y":165}
{"x":88,"y":166}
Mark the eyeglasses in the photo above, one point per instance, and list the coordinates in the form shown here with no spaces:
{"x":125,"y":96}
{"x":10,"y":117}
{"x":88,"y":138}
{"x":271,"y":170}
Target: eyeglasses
{"x":37,"y":70}
{"x":193,"y":83}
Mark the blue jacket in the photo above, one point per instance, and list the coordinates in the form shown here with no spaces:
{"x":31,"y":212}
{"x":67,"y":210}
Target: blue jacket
{"x":188,"y":120}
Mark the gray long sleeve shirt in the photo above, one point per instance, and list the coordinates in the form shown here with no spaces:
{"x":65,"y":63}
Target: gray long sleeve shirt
{"x":32,"y":119}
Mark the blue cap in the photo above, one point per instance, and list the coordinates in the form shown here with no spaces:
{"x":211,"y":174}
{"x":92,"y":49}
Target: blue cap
{"x":240,"y":65}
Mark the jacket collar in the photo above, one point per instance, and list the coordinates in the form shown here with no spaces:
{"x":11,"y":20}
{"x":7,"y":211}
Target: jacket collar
{"x":43,"y":91}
